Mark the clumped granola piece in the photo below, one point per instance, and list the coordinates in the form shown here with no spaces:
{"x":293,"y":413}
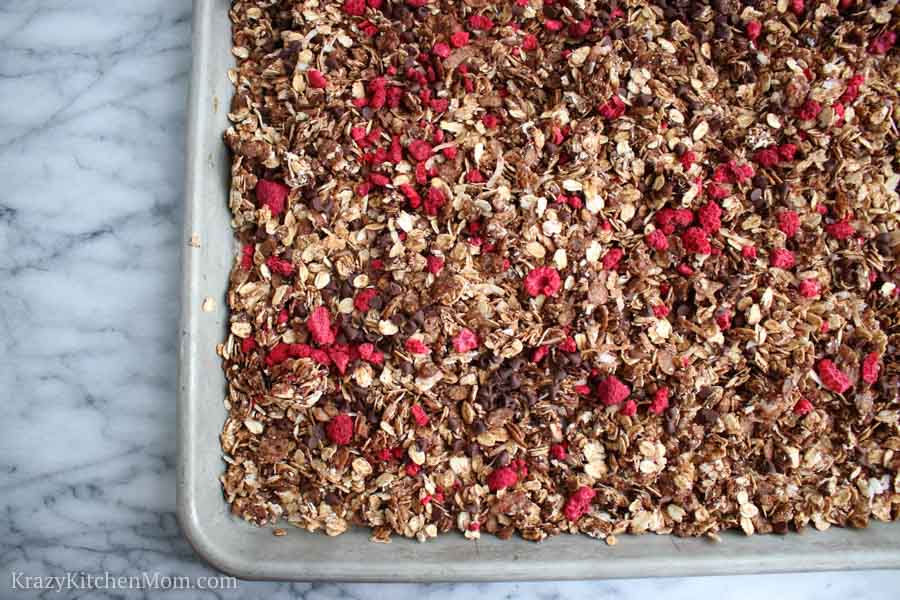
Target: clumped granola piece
{"x":525,"y":268}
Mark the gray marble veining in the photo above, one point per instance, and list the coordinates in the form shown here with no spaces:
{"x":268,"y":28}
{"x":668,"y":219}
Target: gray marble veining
{"x":92,"y":115}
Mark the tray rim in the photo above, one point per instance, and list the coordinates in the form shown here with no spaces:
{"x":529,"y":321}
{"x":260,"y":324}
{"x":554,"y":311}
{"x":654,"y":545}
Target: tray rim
{"x":204,"y":537}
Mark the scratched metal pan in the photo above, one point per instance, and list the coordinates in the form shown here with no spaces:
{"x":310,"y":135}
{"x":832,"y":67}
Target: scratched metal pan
{"x":248,"y":552}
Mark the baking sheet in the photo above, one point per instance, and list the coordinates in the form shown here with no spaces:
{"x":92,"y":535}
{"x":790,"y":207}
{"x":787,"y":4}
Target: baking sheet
{"x":249,"y":552}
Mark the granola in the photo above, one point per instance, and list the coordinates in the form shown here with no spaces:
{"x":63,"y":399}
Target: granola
{"x":555,"y":266}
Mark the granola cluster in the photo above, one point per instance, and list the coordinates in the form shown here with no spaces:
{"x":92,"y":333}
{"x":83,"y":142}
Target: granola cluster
{"x":545,"y":266}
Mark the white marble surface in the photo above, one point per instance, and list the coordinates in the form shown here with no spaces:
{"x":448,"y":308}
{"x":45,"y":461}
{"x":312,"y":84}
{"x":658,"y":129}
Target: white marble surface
{"x":92,"y":99}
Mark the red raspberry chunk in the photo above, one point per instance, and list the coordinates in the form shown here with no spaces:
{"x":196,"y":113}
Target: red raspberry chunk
{"x":809,"y":288}
{"x":841,"y":230}
{"x":832,"y":377}
{"x":803,"y":407}
{"x":271,"y":194}
{"x":355,"y":8}
{"x":783,"y":259}
{"x":417,"y":346}
{"x":419,"y":415}
{"x":361,"y":302}
{"x":657,"y":240}
{"x":612,"y":258}
{"x":316,"y":79}
{"x":459,"y":39}
{"x":788,"y":222}
{"x":340,"y":429}
{"x":710,"y":217}
{"x":870,"y":368}
{"x":579,"y":503}
{"x":612,"y":391}
{"x":696,"y":241}
{"x":465,"y":340}
{"x":660,"y":401}
{"x":502,"y":478}
{"x":319,"y":326}
{"x":542,"y":280}
{"x":420,"y":150}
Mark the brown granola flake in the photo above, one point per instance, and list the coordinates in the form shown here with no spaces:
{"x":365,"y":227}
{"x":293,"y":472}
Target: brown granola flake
{"x":628,"y":257}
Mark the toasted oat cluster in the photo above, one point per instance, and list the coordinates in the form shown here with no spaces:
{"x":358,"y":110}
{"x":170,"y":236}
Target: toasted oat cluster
{"x":546,"y":266}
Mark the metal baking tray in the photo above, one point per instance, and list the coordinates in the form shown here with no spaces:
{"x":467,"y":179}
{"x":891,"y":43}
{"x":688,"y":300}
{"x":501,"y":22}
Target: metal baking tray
{"x":245,"y":551}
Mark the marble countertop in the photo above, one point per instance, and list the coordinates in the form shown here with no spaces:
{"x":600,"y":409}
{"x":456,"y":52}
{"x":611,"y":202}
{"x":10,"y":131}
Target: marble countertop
{"x":92,"y":120}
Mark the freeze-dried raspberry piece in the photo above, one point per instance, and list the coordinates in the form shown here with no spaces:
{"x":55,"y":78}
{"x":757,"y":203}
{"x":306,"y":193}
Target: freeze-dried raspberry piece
{"x":695,"y":240}
{"x":539,"y":353}
{"x":809,"y":288}
{"x":629,"y":409}
{"x":272,"y":194}
{"x":685,"y":270}
{"x":316,"y":79}
{"x":490,"y":120}
{"x":300,"y":351}
{"x":480,"y":22}
{"x":787,"y":152}
{"x":687,"y":159}
{"x":435,"y":264}
{"x":420,"y":150}
{"x":803,"y":407}
{"x":340,"y":429}
{"x":870,"y":368}
{"x":355,"y":8}
{"x":832,"y":377}
{"x":716,"y":191}
{"x":419,"y":415}
{"x":459,"y":39}
{"x":840,"y":230}
{"x":723,"y":319}
{"x":782,"y":258}
{"x":277,"y":355}
{"x":319,"y":326}
{"x":613,"y":108}
{"x":247,"y":257}
{"x":441,"y":50}
{"x":612,"y":391}
{"x":568,"y":344}
{"x":502,"y":478}
{"x":416,"y":346}
{"x":559,"y":452}
{"x":660,"y":311}
{"x":542,"y":280}
{"x":465,"y":340}
{"x":283,"y":267}
{"x":579,"y":503}
{"x":788,"y":222}
{"x":710,"y":217}
{"x":809,"y":111}
{"x":748,"y":252}
{"x":660,"y":401}
{"x":247,"y":345}
{"x":753,"y":29}
{"x":553,"y":24}
{"x":742,"y":172}
{"x":434,"y":200}
{"x":408,"y":191}
{"x":340,"y":356}
{"x":361,"y":302}
{"x":657,"y":240}
{"x":767,"y":157}
{"x":612,"y":258}
{"x":530,"y":43}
